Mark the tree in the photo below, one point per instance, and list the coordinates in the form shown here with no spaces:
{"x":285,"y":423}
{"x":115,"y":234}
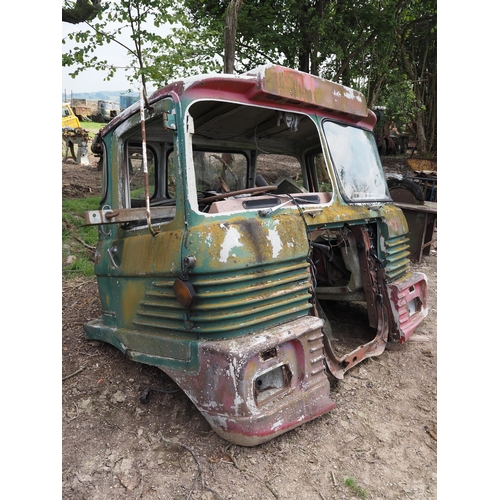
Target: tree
{"x":268,"y":31}
{"x":80,"y":11}
{"x":230,"y":34}
{"x":135,"y":26}
{"x":384,"y":48}
{"x":322,"y":37}
{"x":417,"y":50}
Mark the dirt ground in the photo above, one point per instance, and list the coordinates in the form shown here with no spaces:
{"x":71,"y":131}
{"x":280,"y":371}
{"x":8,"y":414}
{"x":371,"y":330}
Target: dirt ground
{"x":380,"y":442}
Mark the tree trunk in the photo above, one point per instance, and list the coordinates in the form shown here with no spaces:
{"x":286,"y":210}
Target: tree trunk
{"x":230,"y":30}
{"x":422,"y":146}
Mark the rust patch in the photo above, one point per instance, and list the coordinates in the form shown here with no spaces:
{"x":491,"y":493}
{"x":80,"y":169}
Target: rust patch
{"x":255,"y":388}
{"x":304,"y":87}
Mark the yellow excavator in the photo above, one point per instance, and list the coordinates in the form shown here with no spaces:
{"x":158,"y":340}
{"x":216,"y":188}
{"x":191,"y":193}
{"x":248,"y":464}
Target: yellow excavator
{"x":69,"y":119}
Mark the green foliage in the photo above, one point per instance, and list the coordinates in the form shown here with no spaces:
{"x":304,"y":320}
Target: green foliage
{"x":416,"y":59}
{"x":398,"y":99}
{"x":78,"y":240}
{"x":132,"y":24}
{"x":332,"y":39}
{"x":351,"y":483}
{"x":385,"y":48}
{"x":81,"y":266}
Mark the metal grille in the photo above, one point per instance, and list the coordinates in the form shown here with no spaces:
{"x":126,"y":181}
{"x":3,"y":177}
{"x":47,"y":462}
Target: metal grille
{"x":244,"y":302}
{"x":397,"y":257}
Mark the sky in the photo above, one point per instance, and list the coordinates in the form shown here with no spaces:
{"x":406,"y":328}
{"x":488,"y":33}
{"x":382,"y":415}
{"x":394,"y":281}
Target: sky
{"x":92,"y":80}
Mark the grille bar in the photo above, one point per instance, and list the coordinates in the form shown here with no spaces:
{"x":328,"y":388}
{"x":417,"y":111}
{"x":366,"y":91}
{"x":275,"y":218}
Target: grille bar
{"x":397,"y":257}
{"x":230,"y":303}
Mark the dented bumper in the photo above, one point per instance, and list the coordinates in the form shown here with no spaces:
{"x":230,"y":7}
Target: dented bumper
{"x":255,"y":388}
{"x":408,"y":301}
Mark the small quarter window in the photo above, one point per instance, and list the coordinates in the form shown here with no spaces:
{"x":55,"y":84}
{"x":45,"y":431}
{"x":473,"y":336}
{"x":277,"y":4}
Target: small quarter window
{"x":137,"y":179}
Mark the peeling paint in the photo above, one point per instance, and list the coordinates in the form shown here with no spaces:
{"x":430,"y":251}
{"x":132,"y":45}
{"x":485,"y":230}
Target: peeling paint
{"x":382,"y":243}
{"x":277,"y":425}
{"x":238,"y":400}
{"x":231,"y":241}
{"x":275,"y":240}
{"x":218,"y":421}
{"x":349,"y":94}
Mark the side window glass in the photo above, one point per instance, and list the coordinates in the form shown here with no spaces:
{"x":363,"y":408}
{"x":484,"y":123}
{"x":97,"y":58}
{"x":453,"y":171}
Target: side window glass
{"x":171,"y":189}
{"x":357,"y":163}
{"x":321,"y":174}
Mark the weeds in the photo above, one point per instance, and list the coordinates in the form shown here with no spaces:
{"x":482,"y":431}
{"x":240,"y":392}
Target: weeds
{"x":351,"y":483}
{"x":78,"y":241}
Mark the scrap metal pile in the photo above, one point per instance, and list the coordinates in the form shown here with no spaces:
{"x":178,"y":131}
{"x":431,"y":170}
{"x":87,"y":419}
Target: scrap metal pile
{"x":79,"y":137}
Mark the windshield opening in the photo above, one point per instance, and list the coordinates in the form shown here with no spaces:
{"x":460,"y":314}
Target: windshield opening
{"x":243,"y":151}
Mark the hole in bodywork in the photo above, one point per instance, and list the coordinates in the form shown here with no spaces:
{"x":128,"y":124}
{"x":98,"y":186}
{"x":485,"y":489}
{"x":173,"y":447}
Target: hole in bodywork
{"x":271,"y":353}
{"x":346,"y":274}
{"x":415,"y":306}
{"x":349,"y":325}
{"x":267,"y":385}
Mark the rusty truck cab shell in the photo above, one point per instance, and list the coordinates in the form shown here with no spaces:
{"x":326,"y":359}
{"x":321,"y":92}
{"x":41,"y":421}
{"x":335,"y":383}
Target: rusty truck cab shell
{"x":223,"y":291}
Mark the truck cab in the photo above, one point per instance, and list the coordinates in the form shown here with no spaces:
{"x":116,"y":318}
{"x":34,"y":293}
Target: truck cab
{"x":235,"y":210}
{"x":107,"y":110}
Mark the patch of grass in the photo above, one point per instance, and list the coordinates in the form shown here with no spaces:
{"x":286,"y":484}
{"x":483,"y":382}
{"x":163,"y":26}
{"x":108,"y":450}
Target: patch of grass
{"x":82,"y":266}
{"x":92,"y":127}
{"x":351,"y":483}
{"x":78,"y":241}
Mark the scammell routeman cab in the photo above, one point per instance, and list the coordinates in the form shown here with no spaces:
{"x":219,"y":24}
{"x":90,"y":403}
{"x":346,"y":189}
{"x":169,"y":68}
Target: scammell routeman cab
{"x":232,"y":214}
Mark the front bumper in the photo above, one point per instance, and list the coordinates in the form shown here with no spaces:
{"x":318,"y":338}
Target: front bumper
{"x":254,"y":388}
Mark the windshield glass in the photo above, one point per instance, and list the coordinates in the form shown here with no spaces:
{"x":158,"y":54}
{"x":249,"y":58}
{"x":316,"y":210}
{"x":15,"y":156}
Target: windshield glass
{"x":357,"y":163}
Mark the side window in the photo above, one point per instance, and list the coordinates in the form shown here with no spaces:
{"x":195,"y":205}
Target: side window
{"x":136,"y":175}
{"x":220,"y":172}
{"x":357,"y":163}
{"x":171,"y":189}
{"x":320,"y":174}
{"x":281,"y":170}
